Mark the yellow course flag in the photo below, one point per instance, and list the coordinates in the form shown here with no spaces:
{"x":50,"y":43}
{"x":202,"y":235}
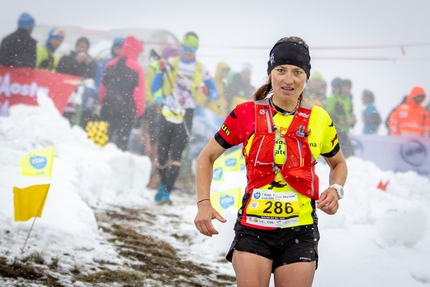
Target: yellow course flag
{"x":221,"y":200}
{"x":234,"y":161}
{"x":38,"y":163}
{"x":29,"y":202}
{"x":218,"y":170}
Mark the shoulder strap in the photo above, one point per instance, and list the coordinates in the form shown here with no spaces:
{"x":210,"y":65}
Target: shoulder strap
{"x":263,"y":116}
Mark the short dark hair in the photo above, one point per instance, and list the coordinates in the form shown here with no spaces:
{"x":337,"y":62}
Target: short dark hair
{"x":191,"y":34}
{"x":368,"y":94}
{"x":347,"y":83}
{"x":83,"y":40}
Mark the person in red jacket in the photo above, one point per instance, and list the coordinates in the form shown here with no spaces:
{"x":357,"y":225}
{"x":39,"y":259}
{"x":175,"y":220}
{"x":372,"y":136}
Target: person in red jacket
{"x":122,"y":92}
{"x":410,"y":118}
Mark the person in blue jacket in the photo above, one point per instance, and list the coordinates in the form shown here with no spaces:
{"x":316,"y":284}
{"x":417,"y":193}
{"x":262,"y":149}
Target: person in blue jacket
{"x":371,"y":116}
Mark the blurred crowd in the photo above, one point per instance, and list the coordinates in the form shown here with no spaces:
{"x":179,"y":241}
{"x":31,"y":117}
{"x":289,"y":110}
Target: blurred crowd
{"x":158,"y":101}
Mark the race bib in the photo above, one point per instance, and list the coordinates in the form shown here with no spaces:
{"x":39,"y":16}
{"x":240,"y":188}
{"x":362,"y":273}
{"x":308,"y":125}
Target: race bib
{"x":273,"y":209}
{"x":174,"y":116}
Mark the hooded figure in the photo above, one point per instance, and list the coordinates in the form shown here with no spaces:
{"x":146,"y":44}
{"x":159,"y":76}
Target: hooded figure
{"x":122,"y":92}
{"x":410,"y":118}
{"x":19,"y":48}
{"x":219,"y":106}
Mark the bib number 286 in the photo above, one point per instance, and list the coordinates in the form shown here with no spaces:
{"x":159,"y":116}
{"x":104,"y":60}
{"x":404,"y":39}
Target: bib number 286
{"x":278,"y":208}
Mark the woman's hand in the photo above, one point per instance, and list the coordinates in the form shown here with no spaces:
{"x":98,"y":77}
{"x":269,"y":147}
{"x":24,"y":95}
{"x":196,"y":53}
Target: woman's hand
{"x":328,"y":201}
{"x":205,"y":214}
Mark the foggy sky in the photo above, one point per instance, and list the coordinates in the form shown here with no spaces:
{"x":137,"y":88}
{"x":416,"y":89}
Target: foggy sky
{"x":257,"y":25}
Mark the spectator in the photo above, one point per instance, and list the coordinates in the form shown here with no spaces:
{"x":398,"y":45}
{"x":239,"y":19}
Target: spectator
{"x":240,"y":89}
{"x":316,"y":90}
{"x":387,"y":120}
{"x":183,"y":81}
{"x":122,"y":92}
{"x":19,"y":49}
{"x":219,"y":106}
{"x":79,"y":63}
{"x":410,"y":118}
{"x":371,"y":117}
{"x":45,"y":59}
{"x":340,"y":107}
{"x":115,"y":51}
{"x":336,"y":86}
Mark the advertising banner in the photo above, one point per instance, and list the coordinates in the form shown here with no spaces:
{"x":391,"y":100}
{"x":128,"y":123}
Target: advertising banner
{"x":21,"y":85}
{"x":395,"y":153}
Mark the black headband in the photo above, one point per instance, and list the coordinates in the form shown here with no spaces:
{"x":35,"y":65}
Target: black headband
{"x":291,"y":53}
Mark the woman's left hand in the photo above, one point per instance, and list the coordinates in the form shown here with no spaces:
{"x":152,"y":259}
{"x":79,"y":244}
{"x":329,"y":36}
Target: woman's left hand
{"x":328,"y":201}
{"x":203,"y":221}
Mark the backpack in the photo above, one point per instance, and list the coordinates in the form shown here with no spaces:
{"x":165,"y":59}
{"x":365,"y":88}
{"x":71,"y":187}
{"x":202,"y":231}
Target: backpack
{"x":376,"y":120}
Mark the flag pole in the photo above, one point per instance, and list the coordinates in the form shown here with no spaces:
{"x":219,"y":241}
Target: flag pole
{"x":31,"y":228}
{"x":28,"y":235}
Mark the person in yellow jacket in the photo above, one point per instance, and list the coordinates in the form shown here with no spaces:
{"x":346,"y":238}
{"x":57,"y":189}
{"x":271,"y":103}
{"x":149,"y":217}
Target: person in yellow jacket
{"x":45,"y":59}
{"x":219,"y":106}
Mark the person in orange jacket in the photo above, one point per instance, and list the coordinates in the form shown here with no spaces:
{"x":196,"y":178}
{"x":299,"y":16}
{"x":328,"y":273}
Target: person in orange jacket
{"x":410,"y":118}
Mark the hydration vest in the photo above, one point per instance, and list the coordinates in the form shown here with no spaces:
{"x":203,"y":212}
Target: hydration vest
{"x":298,"y":171}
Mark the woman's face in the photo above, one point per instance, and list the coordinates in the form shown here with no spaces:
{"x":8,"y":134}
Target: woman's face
{"x":288,"y":82}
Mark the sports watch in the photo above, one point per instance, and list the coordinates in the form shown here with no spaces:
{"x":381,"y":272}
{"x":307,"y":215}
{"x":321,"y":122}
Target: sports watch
{"x":339,"y":190}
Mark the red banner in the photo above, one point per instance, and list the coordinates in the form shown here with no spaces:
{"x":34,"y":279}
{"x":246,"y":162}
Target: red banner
{"x":21,"y":85}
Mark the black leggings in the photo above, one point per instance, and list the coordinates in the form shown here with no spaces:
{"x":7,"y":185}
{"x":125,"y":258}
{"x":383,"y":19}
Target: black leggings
{"x":173,"y":139}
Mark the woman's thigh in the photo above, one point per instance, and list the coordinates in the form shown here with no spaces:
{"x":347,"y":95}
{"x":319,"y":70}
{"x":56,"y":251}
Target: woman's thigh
{"x":300,"y":274}
{"x":251,"y":269}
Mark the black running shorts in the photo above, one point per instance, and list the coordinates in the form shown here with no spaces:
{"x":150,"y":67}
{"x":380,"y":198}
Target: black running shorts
{"x":283,"y":246}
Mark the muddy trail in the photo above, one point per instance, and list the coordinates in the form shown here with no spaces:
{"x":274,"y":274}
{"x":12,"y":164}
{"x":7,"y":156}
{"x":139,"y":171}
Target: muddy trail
{"x":147,"y":259}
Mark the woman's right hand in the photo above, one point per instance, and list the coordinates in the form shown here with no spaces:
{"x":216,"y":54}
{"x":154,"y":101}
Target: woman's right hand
{"x":205,"y":214}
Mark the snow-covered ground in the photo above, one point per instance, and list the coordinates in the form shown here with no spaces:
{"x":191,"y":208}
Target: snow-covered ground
{"x":377,"y":238}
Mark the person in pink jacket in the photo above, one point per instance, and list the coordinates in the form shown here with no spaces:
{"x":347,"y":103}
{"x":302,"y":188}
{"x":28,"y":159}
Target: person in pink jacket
{"x":122,"y":92}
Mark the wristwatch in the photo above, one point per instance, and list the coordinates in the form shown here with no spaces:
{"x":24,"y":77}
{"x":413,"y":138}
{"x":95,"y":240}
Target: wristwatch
{"x":339,"y":190}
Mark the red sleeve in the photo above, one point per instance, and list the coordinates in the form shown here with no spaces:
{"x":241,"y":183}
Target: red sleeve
{"x":238,"y":126}
{"x":102,"y":93}
{"x":393,"y":122}
{"x":139,"y":91}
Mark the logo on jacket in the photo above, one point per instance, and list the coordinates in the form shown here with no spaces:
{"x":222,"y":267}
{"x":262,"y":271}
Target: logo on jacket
{"x":333,"y":140}
{"x":225,"y":129}
{"x":302,"y":114}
